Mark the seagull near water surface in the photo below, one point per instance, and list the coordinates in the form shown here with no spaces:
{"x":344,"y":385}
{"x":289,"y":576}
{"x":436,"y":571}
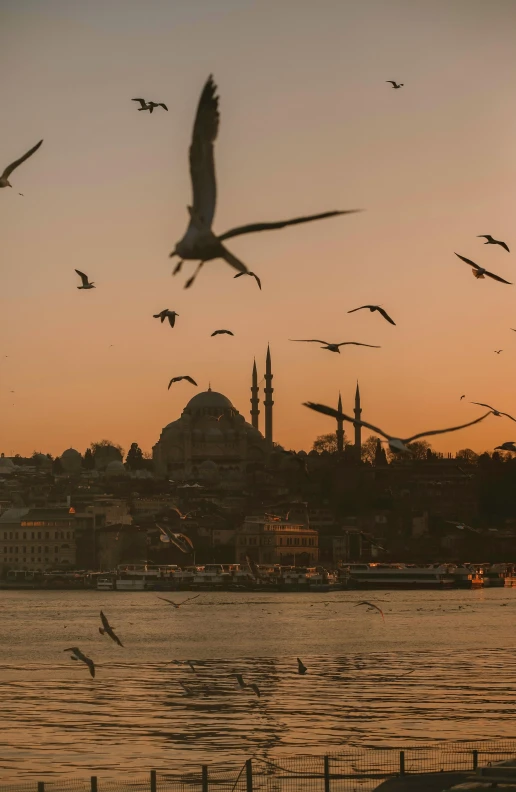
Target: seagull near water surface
{"x":334,"y":347}
{"x":86,"y":284}
{"x":200,"y":243}
{"x":177,"y":605}
{"x":492,"y":241}
{"x":167,"y":314}
{"x":378,"y":308}
{"x":78,"y":655}
{"x":397,"y":445}
{"x":178,"y":379}
{"x":4,"y":178}
{"x":371,"y":606}
{"x":481,"y":272}
{"x":108,"y":630}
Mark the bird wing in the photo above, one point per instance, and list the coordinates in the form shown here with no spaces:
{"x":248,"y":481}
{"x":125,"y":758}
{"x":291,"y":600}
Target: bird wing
{"x":496,"y":277}
{"x":174,"y":379}
{"x":161,"y":104}
{"x":233,"y":261}
{"x":505,"y":246}
{"x":7,"y":172}
{"x":357,"y":343}
{"x":508,"y":416}
{"x":392,"y":82}
{"x":171,"y":319}
{"x":190,"y":599}
{"x":202,"y":162}
{"x":170,"y":602}
{"x":444,"y":431}
{"x":484,"y":236}
{"x":309,"y":340}
{"x":105,"y":622}
{"x":190,"y":379}
{"x":256,"y":689}
{"x":322,"y":408}
{"x":258,"y":281}
{"x":115,"y":637}
{"x":385,"y":315}
{"x":91,"y":665}
{"x":252,"y":227}
{"x":371,"y":605}
{"x":481,"y":404}
{"x":359,"y":309}
{"x":141,"y":101}
{"x":468,"y":261}
{"x":239,"y":274}
{"x":83,"y":277}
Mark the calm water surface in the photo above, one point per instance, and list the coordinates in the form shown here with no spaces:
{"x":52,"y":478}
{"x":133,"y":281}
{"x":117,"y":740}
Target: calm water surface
{"x":56,"y":721}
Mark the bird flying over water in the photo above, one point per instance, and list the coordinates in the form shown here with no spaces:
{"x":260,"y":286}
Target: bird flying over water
{"x":334,"y":347}
{"x":177,"y":605}
{"x":221,"y":332}
{"x":108,"y":630}
{"x":396,"y":444}
{"x":481,"y":272}
{"x":495,"y":412}
{"x":200,"y":243}
{"x":167,"y":314}
{"x":375,"y":308}
{"x":78,"y":655}
{"x":301,"y":668}
{"x":509,"y":445}
{"x":257,"y":279}
{"x":242,"y":684}
{"x":86,"y":284}
{"x":4,"y":178}
{"x":178,"y":379}
{"x":371,"y":605}
{"x":395,"y":84}
{"x":491,"y":241}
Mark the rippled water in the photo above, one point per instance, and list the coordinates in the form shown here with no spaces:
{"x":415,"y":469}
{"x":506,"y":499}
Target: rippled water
{"x":56,"y":721}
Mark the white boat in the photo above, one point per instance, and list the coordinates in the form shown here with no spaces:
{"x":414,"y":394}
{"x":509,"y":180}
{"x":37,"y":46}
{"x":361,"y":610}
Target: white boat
{"x":105,"y":583}
{"x":397,"y":576}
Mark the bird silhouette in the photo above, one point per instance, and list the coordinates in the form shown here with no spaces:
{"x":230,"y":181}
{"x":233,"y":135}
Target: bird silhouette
{"x":497,"y":351}
{"x":481,"y":272}
{"x":167,"y":314}
{"x":4,"y":178}
{"x":334,"y":347}
{"x":78,"y":655}
{"x":108,"y":630}
{"x":301,"y":668}
{"x":509,"y":445}
{"x":178,"y":379}
{"x":200,"y":243}
{"x":375,"y":308}
{"x":497,"y":413}
{"x":257,"y":279}
{"x":86,"y":284}
{"x":222,"y":332}
{"x":395,"y":84}
{"x":492,"y":241}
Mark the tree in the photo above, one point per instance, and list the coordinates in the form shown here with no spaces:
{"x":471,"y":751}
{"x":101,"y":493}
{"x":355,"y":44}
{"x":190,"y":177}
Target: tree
{"x":419,"y":449}
{"x":467,"y":455}
{"x":327,"y":442}
{"x":134,"y":459}
{"x":369,"y":449}
{"x":57,"y":467}
{"x":104,"y":452}
{"x":88,"y":462}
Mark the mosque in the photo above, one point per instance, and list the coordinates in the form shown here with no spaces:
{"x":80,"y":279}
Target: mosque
{"x":212,"y":439}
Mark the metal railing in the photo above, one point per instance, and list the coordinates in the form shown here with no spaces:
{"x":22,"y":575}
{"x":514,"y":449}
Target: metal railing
{"x":350,"y":770}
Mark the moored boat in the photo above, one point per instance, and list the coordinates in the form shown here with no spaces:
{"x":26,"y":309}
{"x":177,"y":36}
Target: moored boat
{"x":404,"y":576}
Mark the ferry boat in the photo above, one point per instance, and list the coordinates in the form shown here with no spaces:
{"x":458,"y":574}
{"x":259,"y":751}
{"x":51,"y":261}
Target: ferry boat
{"x":397,"y":576}
{"x":143,"y":577}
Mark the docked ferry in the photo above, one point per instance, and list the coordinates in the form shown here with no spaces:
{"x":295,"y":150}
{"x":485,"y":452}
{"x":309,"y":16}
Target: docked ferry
{"x":404,"y":576}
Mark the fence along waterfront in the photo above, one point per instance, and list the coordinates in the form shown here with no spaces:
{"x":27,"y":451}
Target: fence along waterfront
{"x":346,"y":771}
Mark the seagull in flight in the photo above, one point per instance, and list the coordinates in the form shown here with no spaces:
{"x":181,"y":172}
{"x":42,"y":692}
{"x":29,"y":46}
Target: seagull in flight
{"x":396,"y":444}
{"x":510,"y":445}
{"x":334,"y":347}
{"x":257,"y":279}
{"x":497,"y":351}
{"x":481,"y":272}
{"x":149,"y":105}
{"x":462,"y":397}
{"x":190,"y":663}
{"x":301,"y":668}
{"x":495,"y":412}
{"x":177,"y":605}
{"x":242,"y":684}
{"x":86,"y":284}
{"x":108,"y":630}
{"x":221,"y":332}
{"x":373,"y":308}
{"x":178,"y":379}
{"x":78,"y":655}
{"x":200,"y":243}
{"x":395,"y":84}
{"x":167,"y":314}
{"x":4,"y":178}
{"x":152,"y":105}
{"x":492,"y":241}
{"x":371,"y":606}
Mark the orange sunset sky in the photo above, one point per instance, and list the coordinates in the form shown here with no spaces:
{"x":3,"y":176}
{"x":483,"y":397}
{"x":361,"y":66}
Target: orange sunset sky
{"x":308,"y":124}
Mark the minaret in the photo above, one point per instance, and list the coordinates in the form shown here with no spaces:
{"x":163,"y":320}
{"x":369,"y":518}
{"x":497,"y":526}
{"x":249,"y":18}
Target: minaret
{"x":340,"y":428}
{"x":267,"y":403}
{"x":255,"y":412}
{"x":358,"y":428}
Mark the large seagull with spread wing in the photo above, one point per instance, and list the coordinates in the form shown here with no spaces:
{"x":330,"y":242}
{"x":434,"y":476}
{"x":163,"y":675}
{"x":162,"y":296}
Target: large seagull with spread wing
{"x":200,"y":243}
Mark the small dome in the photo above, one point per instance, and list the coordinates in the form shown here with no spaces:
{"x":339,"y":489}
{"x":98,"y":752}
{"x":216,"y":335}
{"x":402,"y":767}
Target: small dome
{"x":207,"y":400}
{"x":70,"y":453}
{"x":6,"y":465}
{"x":71,"y":460}
{"x":116,"y":468}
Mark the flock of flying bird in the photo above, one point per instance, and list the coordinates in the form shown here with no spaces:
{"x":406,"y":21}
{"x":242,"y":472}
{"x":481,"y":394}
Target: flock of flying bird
{"x":200,"y":243}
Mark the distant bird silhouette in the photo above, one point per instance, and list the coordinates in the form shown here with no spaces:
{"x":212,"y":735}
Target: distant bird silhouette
{"x":462,"y":397}
{"x":108,"y":630}
{"x":480,"y":272}
{"x":86,"y":284}
{"x":200,"y":242}
{"x":167,"y":314}
{"x":143,"y":103}
{"x":495,"y":412}
{"x":396,"y":444}
{"x":301,"y":668}
{"x":375,"y":308}
{"x":497,"y":351}
{"x":4,"y":178}
{"x":253,"y":275}
{"x":152,"y":105}
{"x":178,"y":379}
{"x":177,"y":605}
{"x":242,"y":684}
{"x":188,"y":690}
{"x":510,"y":445}
{"x":78,"y":655}
{"x":395,"y":84}
{"x":491,"y":241}
{"x":221,"y":332}
{"x":334,"y":347}
{"x":372,"y":606}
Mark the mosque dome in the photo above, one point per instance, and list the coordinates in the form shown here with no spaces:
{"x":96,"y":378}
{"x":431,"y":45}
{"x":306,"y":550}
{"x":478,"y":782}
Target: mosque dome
{"x":71,"y":460}
{"x":6,"y":465}
{"x":207,"y":400}
{"x":116,"y":468}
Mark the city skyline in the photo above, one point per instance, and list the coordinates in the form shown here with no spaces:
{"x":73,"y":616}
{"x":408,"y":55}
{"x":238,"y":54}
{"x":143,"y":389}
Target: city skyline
{"x":308,"y":124}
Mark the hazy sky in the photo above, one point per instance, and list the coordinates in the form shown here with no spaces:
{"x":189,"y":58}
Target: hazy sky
{"x":308,"y":124}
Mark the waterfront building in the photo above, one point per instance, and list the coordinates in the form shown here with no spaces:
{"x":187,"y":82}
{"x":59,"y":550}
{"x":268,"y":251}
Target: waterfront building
{"x":37,"y":539}
{"x":269,"y":540}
